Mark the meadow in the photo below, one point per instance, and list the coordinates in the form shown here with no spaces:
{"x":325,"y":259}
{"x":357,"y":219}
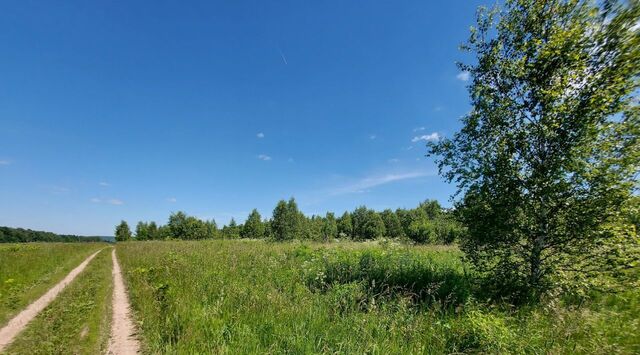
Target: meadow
{"x":28,"y":270}
{"x":249,"y":296}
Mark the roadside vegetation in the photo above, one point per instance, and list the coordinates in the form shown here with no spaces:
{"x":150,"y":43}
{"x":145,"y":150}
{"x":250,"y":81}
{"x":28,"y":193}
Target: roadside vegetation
{"x":27,"y":271}
{"x":77,"y":321}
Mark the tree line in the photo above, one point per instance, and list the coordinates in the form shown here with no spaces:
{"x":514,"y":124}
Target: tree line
{"x":427,"y":223}
{"x":20,"y":235}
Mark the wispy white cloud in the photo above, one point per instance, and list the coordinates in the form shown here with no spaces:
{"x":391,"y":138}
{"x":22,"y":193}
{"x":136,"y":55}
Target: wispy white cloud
{"x":394,"y":160}
{"x":433,"y":137}
{"x":464,"y":76}
{"x":373,"y":136}
{"x":284,"y":59}
{"x":5,"y":162}
{"x":264,"y":157}
{"x":115,"y":201}
{"x":367,"y":183}
{"x":58,"y":190}
{"x":104,"y":184}
{"x":260,"y":135}
{"x":172,"y":200}
{"x":418,"y":129}
{"x":95,"y":200}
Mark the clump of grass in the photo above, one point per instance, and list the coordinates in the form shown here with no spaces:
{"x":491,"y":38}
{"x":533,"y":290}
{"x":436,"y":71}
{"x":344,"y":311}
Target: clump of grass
{"x":435,"y":277}
{"x":27,"y":271}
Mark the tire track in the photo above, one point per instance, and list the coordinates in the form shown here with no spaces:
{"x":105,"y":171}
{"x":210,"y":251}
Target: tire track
{"x":123,"y":339}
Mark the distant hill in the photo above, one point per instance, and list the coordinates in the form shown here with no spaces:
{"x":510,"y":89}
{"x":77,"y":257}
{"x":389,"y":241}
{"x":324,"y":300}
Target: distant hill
{"x":21,"y":235}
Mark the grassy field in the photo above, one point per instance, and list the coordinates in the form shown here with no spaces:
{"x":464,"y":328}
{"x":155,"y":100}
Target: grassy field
{"x":259,"y":297}
{"x":77,"y":321}
{"x":28,"y":270}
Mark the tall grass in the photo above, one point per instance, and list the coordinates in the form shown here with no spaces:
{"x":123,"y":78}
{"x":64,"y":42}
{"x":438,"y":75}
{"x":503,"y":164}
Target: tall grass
{"x":259,"y":297}
{"x":27,"y":271}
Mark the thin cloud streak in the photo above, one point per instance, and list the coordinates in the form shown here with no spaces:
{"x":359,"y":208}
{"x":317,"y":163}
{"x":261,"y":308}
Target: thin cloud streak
{"x":363,"y":185}
{"x":284,"y":59}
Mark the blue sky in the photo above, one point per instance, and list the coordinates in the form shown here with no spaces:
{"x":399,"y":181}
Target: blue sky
{"x":132,"y":110}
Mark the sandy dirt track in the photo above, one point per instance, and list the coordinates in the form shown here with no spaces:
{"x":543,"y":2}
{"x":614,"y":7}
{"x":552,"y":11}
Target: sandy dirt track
{"x":123,"y":332}
{"x":20,"y":321}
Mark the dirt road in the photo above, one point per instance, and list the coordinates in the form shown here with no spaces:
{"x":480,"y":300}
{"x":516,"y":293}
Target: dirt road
{"x":20,"y":321}
{"x":123,"y":332}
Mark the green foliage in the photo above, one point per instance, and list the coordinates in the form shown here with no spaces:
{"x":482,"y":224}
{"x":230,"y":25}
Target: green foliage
{"x":142,"y":231}
{"x":329,"y":227}
{"x":287,"y":221}
{"x":20,"y":235}
{"x":152,"y":231}
{"x":367,"y":224}
{"x":427,"y":223}
{"x":345,"y":225}
{"x":231,"y":230}
{"x":253,"y":227}
{"x":393,"y":273}
{"x":123,"y":233}
{"x":392,"y":226}
{"x":550,"y":151}
{"x":186,"y":227}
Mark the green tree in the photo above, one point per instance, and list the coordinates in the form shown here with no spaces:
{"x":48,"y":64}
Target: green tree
{"x":550,"y":150}
{"x":177,"y":225}
{"x":152,"y":231}
{"x":367,"y":224}
{"x":287,"y":221}
{"x":329,"y":227}
{"x":345,"y":225}
{"x":212,"y":229}
{"x":392,"y":226}
{"x":123,"y":233}
{"x":432,"y":208}
{"x":253,"y":227}
{"x":232,"y":230}
{"x":142,"y":231}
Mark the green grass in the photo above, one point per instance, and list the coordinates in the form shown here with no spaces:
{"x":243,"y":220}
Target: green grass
{"x":77,"y":321}
{"x":27,"y":271}
{"x":259,"y":297}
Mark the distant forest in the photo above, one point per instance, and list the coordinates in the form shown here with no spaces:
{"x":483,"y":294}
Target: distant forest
{"x":428,"y":223}
{"x":20,"y":235}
